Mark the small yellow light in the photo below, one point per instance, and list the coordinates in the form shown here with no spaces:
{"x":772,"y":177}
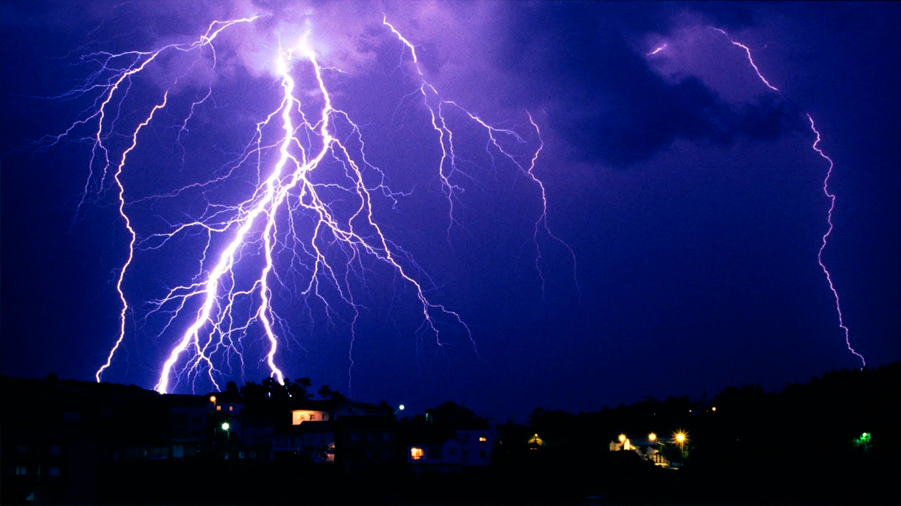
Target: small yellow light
{"x":622,"y":438}
{"x":652,"y":437}
{"x":213,"y":399}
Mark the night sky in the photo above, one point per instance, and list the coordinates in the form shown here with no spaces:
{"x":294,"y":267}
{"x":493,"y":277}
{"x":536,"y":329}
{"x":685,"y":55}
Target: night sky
{"x":685,"y":197}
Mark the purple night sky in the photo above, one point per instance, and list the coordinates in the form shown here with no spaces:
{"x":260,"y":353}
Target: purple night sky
{"x":687,"y":191}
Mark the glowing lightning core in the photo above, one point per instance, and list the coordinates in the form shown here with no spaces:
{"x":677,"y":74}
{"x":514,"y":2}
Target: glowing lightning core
{"x":657,"y":50}
{"x":830,"y":196}
{"x":302,"y":160}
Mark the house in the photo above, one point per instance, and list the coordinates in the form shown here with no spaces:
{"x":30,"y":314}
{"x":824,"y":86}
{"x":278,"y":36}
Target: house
{"x":337,"y":430}
{"x":449,"y":438}
{"x":367,"y":441}
{"x":187,"y":424}
{"x":310,"y":440}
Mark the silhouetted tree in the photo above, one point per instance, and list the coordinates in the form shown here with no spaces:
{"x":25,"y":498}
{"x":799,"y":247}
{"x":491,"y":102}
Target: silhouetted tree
{"x":253,"y":393}
{"x":328,"y":394}
{"x":299,"y":388}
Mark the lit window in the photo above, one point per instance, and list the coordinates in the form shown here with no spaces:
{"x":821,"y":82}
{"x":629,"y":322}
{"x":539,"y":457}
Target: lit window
{"x":415,"y":453}
{"x":482,"y":439}
{"x":230,"y":408}
{"x":218,"y":408}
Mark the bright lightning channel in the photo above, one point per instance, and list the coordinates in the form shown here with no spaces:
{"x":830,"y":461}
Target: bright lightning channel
{"x":830,"y":196}
{"x":296,"y":184}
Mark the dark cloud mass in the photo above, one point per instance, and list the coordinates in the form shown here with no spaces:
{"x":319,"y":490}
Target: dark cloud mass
{"x":603,"y":96}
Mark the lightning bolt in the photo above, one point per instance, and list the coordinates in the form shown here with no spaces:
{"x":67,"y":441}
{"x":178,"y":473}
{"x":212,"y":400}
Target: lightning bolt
{"x":830,"y":196}
{"x":448,"y":166}
{"x":311,"y":206}
{"x":657,"y":50}
{"x":750,"y":59}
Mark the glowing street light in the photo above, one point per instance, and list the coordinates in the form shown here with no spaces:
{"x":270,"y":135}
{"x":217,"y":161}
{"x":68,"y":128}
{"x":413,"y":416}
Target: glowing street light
{"x":652,"y":437}
{"x":225,"y":426}
{"x":680,"y":438}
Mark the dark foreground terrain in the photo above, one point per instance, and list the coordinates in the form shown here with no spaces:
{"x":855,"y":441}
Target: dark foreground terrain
{"x":831,"y":441}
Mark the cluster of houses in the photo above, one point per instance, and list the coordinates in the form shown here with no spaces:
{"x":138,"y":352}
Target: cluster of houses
{"x":341,"y":432}
{"x":651,"y":448}
{"x":64,"y":431}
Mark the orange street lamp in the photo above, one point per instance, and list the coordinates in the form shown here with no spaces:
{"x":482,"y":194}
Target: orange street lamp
{"x":680,"y":438}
